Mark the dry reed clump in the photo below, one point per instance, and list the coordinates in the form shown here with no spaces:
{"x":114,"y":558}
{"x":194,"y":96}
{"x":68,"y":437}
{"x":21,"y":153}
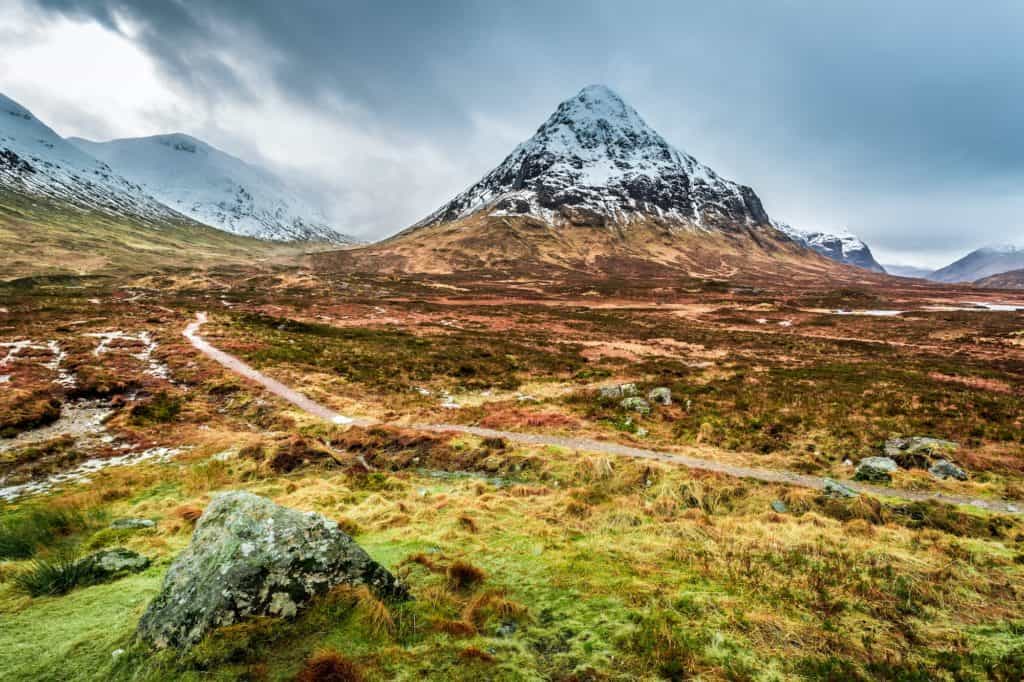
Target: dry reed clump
{"x":467,"y":522}
{"x":329,"y":666}
{"x":464,"y":576}
{"x":188,"y":513}
{"x":472,"y":653}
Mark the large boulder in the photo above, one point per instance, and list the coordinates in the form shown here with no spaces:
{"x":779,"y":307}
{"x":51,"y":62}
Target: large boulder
{"x":917,"y":452}
{"x":251,"y":557}
{"x":877,"y":469}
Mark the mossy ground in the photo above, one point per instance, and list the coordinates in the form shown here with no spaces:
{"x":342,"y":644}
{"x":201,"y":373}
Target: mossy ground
{"x":593,"y":568}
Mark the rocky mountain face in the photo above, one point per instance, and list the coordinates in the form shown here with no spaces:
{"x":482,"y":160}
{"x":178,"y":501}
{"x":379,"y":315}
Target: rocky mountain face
{"x":36,"y":161}
{"x":596,"y":162}
{"x":981,"y":263}
{"x":843,"y":247}
{"x":215,"y":188}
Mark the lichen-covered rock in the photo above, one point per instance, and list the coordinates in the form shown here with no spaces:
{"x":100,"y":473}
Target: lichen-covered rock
{"x":943,"y":468}
{"x":618,"y":392}
{"x":638,"y":405}
{"x":251,"y":557}
{"x":878,"y":469}
{"x":661,"y":395}
{"x":132,"y":524}
{"x":837,"y":489}
{"x":917,"y":452}
{"x":111,"y":564}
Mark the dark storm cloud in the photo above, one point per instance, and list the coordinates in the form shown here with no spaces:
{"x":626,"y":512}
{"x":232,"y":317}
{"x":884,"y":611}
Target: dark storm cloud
{"x":898,"y":119}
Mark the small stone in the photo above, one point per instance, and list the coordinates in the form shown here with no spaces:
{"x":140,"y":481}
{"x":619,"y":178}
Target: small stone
{"x":877,"y":469}
{"x":117,"y":653}
{"x":944,"y":469}
{"x":641,"y":432}
{"x":660,"y":395}
{"x":779,"y":507}
{"x":837,"y":489}
{"x":110,"y":564}
{"x":617,"y":392}
{"x":507,"y":629}
{"x":132,"y":524}
{"x":638,"y":405}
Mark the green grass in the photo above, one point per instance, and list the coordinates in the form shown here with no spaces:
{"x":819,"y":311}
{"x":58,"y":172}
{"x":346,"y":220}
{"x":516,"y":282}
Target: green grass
{"x":24,"y":531}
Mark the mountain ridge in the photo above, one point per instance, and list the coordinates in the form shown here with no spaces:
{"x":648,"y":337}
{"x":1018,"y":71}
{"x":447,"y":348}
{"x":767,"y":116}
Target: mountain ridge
{"x":215,"y":188}
{"x":981,"y":263}
{"x":842,"y":247}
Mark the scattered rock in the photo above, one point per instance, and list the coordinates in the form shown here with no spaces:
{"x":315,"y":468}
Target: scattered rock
{"x":779,"y":507}
{"x":877,"y":469}
{"x":944,"y":469}
{"x":507,"y":629}
{"x":618,"y":392}
{"x":638,"y":405}
{"x":251,"y":557}
{"x":660,"y":395}
{"x":111,"y":564}
{"x":837,"y":489}
{"x":132,"y":524}
{"x":917,"y":452}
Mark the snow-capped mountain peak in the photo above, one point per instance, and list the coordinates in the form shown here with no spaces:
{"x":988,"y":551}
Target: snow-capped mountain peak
{"x":35,"y":160}
{"x":842,"y":246}
{"x":985,"y":262}
{"x":215,"y":188}
{"x":597,"y":160}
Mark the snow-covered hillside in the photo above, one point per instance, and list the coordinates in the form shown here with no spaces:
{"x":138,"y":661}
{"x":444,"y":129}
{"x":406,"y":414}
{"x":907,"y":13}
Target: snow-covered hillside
{"x":842,"y":247}
{"x":984,"y":262}
{"x":34,"y":160}
{"x":596,"y":158}
{"x":214,"y":188}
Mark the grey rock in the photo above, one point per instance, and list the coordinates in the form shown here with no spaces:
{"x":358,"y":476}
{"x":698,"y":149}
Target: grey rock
{"x":111,"y":564}
{"x":618,"y":392}
{"x":944,"y":469}
{"x":837,"y":489}
{"x":638,"y":405}
{"x":779,"y":507}
{"x":878,"y":469}
{"x":507,"y":629}
{"x":132,"y":524}
{"x":916,"y":452}
{"x":660,"y":395}
{"x":251,"y":557}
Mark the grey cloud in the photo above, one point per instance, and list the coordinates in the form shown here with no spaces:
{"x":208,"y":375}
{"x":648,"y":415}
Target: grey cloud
{"x":838,"y":113}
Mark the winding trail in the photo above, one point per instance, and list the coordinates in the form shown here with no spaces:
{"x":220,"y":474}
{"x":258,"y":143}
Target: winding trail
{"x":586,"y":444}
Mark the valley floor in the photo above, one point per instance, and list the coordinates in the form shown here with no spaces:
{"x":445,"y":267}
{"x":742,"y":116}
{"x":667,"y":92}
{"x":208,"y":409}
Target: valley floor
{"x":593,"y":565}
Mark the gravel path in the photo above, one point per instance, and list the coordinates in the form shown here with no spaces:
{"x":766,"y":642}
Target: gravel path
{"x":585,"y":444}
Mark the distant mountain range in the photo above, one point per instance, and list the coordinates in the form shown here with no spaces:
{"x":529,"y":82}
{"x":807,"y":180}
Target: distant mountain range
{"x":981,"y":263}
{"x":166,"y":177}
{"x":214,"y":188}
{"x":1013,"y":279}
{"x":907,"y":270}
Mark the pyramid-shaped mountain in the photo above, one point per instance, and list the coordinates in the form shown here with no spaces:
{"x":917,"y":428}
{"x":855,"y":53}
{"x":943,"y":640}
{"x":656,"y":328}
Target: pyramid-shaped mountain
{"x":596,"y":191}
{"x":595,"y":160}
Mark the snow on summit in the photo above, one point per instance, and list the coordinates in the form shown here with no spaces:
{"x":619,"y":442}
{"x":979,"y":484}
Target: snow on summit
{"x":215,"y":188}
{"x":37,"y":161}
{"x":596,"y":156}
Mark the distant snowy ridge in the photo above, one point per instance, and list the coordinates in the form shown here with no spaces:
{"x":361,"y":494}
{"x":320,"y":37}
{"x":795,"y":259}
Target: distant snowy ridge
{"x":215,"y":188}
{"x":982,"y":263}
{"x":597,"y":161}
{"x":843,"y":247}
{"x":34,"y":160}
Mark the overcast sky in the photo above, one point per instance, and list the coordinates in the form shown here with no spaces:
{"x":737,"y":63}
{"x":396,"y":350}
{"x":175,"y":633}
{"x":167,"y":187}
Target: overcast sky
{"x":903,"y":121}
